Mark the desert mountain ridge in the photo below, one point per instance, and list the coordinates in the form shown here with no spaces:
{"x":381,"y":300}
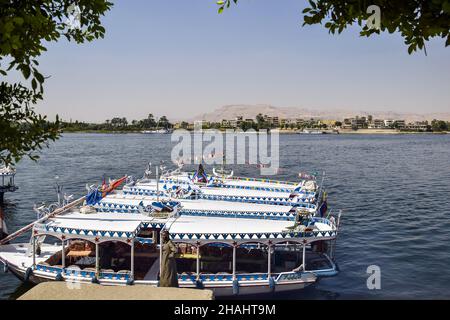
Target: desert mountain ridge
{"x":250,"y":111}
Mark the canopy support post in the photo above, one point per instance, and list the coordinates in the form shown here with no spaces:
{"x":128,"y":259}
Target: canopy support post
{"x":132,"y":259}
{"x":198,"y":261}
{"x":157,"y":184}
{"x":234,"y":261}
{"x":97,"y":261}
{"x":160,"y":253}
{"x":304,"y":256}
{"x":63,"y":254}
{"x":34,"y":251}
{"x":269,"y":259}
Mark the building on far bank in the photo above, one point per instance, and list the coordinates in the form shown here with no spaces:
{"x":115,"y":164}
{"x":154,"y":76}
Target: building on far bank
{"x":376,"y":124}
{"x":239,"y":120}
{"x":418,"y":126}
{"x":225,"y":123}
{"x":359,"y":122}
{"x":389,"y":123}
{"x":299,"y":122}
{"x":400,"y":124}
{"x":347,"y":123}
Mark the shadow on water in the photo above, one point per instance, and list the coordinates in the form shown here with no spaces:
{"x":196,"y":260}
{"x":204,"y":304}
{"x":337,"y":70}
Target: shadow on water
{"x":309,"y":293}
{"x":20,"y":290}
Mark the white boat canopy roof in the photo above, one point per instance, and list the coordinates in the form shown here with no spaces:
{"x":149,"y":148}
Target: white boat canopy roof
{"x":100,"y":226}
{"x":202,"y":229}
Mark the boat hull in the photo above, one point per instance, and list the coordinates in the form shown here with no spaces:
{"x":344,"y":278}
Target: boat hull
{"x":219,"y":289}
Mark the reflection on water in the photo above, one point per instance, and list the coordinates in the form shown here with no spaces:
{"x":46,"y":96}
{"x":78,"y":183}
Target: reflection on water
{"x":393,"y":191}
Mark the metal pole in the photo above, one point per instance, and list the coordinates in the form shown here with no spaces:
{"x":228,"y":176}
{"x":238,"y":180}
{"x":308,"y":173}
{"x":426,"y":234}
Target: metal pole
{"x":269,"y":260}
{"x":304,"y":256}
{"x":160,"y":253}
{"x":198,"y":262}
{"x":223,"y":168}
{"x":234,"y":261}
{"x":132,"y":259}
{"x":157,"y":183}
{"x":34,"y":252}
{"x":97,"y":262}
{"x":63,"y":254}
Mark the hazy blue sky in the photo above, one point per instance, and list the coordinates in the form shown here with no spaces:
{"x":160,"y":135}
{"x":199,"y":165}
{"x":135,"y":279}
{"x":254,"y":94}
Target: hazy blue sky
{"x":180,"y":58}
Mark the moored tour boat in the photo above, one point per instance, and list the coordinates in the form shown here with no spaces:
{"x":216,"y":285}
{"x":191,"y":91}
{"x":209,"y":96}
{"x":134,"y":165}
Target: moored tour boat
{"x":231,"y":248}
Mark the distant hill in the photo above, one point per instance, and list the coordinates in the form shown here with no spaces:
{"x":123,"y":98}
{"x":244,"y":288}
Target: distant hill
{"x":250,"y":111}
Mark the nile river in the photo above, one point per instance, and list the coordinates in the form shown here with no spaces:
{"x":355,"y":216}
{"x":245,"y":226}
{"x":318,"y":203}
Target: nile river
{"x":394,"y":191}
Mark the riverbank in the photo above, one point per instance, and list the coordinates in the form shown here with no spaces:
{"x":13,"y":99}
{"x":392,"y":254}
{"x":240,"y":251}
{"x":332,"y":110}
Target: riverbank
{"x":281,"y":131}
{"x":72,"y":291}
{"x":385,"y":131}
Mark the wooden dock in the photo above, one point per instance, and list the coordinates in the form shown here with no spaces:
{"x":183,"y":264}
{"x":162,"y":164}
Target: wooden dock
{"x":72,"y":291}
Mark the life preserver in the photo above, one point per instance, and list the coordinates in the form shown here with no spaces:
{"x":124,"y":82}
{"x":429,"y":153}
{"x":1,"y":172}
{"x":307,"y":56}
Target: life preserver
{"x":28,"y":273}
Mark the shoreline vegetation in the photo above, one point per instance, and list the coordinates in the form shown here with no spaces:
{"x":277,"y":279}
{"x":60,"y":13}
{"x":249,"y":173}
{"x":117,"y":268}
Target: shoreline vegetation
{"x":264,"y":123}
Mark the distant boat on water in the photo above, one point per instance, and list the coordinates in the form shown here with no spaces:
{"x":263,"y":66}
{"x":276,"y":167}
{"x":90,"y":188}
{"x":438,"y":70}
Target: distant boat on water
{"x":317,"y":131}
{"x":161,"y":131}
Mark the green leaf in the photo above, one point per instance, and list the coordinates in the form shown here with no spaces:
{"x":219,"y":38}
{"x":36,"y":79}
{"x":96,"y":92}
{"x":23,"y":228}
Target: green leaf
{"x":25,"y":70}
{"x":34,"y":84}
{"x":220,"y":10}
{"x":39,"y":77}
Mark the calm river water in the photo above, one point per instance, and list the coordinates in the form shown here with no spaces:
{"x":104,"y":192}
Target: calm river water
{"x":394,"y":192}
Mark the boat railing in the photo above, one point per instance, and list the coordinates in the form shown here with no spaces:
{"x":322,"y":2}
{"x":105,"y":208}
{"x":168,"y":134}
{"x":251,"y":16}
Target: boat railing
{"x":259,"y":200}
{"x":273,"y":189}
{"x":225,"y":277}
{"x":49,"y":269}
{"x":82,"y":273}
{"x":124,"y":275}
{"x":264,"y":180}
{"x":323,"y":220}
